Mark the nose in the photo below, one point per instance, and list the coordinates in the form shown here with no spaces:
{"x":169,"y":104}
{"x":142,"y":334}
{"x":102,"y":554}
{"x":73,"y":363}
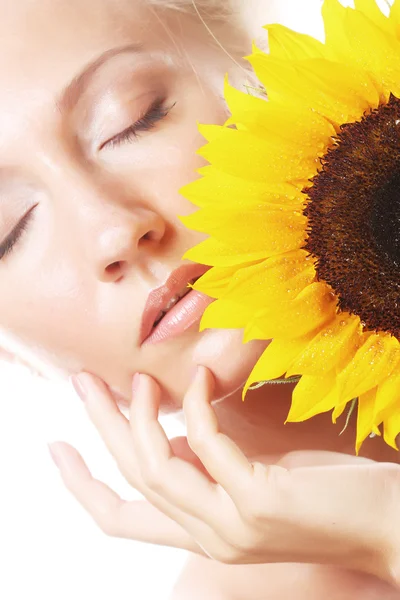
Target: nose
{"x":118,"y":239}
{"x":110,"y":228}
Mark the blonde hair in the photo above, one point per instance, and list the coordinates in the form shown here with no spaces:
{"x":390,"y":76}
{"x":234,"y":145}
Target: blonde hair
{"x":214,"y":9}
{"x":228,"y":27}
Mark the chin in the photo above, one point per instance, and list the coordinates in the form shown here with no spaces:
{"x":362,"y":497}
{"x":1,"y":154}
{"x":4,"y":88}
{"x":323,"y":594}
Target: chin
{"x":222,"y":351}
{"x":230,"y":360}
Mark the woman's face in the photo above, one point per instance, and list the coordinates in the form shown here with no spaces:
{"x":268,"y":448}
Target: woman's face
{"x":102,"y":201}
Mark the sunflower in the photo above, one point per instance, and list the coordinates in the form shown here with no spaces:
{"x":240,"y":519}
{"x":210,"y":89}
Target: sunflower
{"x":301,"y":204}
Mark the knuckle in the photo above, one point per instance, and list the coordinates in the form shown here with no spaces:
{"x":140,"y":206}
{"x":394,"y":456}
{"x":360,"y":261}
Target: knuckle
{"x":197,"y":439}
{"x":244,"y":547}
{"x":264,"y":498}
{"x":219,"y":548}
{"x":108,"y":520}
{"x":226,"y":555}
{"x":107,"y":526}
{"x":240,"y":541}
{"x":152,"y":476}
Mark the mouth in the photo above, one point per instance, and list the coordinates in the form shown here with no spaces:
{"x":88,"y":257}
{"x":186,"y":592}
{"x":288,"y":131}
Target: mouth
{"x":174,"y":300}
{"x":174,"y":307}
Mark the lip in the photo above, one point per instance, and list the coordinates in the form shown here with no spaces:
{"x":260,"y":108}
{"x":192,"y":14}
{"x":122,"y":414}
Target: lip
{"x":160,"y":297}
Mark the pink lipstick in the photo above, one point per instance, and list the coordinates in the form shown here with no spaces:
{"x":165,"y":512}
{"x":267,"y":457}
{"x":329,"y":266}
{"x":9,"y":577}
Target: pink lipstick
{"x":174,"y":307}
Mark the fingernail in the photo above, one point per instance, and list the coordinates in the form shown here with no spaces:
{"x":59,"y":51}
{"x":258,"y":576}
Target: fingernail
{"x":135,"y":383}
{"x":54,"y":456}
{"x":79,"y":387}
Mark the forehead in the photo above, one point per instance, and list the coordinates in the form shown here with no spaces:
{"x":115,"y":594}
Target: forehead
{"x":45,"y":44}
{"x":44,"y":41}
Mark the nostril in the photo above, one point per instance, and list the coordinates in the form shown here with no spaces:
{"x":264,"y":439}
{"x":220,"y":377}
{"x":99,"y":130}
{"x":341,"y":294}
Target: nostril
{"x":113,"y":268}
{"x":150,"y":236}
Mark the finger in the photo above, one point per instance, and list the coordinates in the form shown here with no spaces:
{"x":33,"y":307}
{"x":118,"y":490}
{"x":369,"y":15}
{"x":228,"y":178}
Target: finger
{"x":175,"y":480}
{"x":181,"y":449}
{"x":143,"y":412}
{"x":111,"y":424}
{"x":137,"y":520}
{"x":222,"y":458}
{"x":116,"y":431}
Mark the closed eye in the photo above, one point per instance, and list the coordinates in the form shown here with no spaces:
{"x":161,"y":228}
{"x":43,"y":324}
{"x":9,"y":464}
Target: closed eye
{"x":156,"y":113}
{"x":13,"y":238}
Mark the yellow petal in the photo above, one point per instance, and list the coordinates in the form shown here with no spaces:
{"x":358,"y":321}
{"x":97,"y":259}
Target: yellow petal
{"x":277,"y":123}
{"x":282,"y":276}
{"x":269,"y":229}
{"x":365,"y":416}
{"x":254,"y":331}
{"x":388,"y":396}
{"x":395,"y":16}
{"x":288,"y":44}
{"x":215,"y":282}
{"x":275,"y":360}
{"x":334,"y":15}
{"x":339,"y":92}
{"x":319,"y":77}
{"x":372,"y":364}
{"x":312,"y":396}
{"x":376,"y":430}
{"x":311,"y":310}
{"x":354,"y":39}
{"x":222,"y":314}
{"x":245,"y":155}
{"x":391,"y":428}
{"x":371,"y":10}
{"x":338,"y":410}
{"x":335,"y":344}
{"x":218,"y":189}
{"x":220,"y":254}
{"x":375,"y":51}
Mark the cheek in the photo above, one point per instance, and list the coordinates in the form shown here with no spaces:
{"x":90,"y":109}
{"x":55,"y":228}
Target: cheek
{"x":47,"y":314}
{"x":44,"y":327}
{"x":167,"y":160}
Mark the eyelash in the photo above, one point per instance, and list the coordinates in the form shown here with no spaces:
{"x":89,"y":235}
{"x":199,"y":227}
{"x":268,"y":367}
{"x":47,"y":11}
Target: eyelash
{"x":156,"y":113}
{"x":11,"y":241}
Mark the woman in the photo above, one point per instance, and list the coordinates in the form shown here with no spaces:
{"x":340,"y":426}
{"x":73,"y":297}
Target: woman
{"x":99,"y":106}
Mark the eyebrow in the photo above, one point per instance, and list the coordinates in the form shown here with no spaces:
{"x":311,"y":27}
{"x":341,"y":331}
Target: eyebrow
{"x":72,"y":92}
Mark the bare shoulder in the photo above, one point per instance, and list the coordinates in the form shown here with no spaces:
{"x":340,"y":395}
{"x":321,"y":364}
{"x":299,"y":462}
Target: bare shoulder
{"x":205,"y":579}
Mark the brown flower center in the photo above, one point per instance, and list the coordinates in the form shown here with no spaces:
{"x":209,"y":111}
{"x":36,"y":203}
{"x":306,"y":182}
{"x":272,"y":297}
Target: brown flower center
{"x":354,"y":218}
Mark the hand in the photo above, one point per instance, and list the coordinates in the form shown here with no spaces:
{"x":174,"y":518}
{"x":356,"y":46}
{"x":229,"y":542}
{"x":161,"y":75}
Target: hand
{"x":205,"y":496}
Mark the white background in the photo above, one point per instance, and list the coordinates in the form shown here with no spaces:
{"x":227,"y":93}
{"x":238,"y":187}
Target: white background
{"x":49,"y":547}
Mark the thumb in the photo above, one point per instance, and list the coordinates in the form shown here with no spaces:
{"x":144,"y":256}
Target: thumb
{"x":141,"y":521}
